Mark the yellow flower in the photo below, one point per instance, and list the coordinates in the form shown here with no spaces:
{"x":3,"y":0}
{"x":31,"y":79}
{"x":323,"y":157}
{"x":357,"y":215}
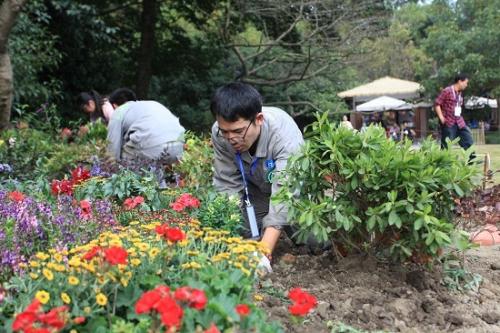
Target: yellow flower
{"x":115,"y":242}
{"x":142,"y":246}
{"x":193,"y":253}
{"x":73,"y":331}
{"x":34,"y":276}
{"x":258,"y":297}
{"x":52,"y":251}
{"x":245,"y":271}
{"x":134,"y":223}
{"x":48,"y":274}
{"x":23,"y":265}
{"x":42,"y":296}
{"x":101,"y":299}
{"x":73,"y":280}
{"x":87,"y":309}
{"x":242,"y":257}
{"x":154,"y":252}
{"x":58,"y":257}
{"x":34,"y":264}
{"x":65,"y":298}
{"x":75,"y":262}
{"x":42,"y":256}
{"x":135,"y":262}
{"x":238,"y":265}
{"x":191,"y":264}
{"x":124,"y":281}
{"x":59,"y":268}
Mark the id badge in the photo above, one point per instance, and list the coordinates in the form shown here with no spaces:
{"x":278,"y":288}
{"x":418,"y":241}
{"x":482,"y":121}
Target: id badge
{"x":252,"y":221}
{"x":458,"y":111}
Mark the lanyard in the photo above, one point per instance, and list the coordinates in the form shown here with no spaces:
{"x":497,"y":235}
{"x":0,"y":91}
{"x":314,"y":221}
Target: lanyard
{"x":250,"y":210}
{"x":456,"y":97}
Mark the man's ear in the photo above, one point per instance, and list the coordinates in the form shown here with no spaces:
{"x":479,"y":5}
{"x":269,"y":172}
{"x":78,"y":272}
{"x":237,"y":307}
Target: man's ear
{"x":259,"y":118}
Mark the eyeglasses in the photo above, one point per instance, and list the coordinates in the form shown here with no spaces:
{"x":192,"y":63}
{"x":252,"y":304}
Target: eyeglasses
{"x":238,"y":134}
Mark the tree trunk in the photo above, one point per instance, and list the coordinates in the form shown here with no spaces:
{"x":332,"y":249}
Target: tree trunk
{"x":9,"y":11}
{"x":145,"y":57}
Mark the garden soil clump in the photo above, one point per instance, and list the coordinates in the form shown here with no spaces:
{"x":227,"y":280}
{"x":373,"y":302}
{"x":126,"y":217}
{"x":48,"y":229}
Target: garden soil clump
{"x":369,"y":295}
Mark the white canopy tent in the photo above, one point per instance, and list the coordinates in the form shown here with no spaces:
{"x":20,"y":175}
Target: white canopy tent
{"x":480,"y":102}
{"x":384,"y":103}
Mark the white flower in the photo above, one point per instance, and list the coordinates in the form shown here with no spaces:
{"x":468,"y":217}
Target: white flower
{"x":12,"y":142}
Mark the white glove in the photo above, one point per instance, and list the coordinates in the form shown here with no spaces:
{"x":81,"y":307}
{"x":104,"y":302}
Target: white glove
{"x":264,"y":265}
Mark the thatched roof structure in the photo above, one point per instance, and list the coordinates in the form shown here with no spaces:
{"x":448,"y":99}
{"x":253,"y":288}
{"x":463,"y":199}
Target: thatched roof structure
{"x":386,"y":86}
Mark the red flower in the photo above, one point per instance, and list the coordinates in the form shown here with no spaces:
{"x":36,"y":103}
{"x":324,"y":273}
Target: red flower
{"x":162,"y":229}
{"x":198,"y":299}
{"x":86,"y":209}
{"x":54,"y":318}
{"x":174,"y":234}
{"x":243,"y":310}
{"x":61,"y":186}
{"x":129,"y":204}
{"x":65,"y":133}
{"x":92,"y":253}
{"x":183,"y":294}
{"x":212,"y":329}
{"x":80,"y":174}
{"x":79,"y":320}
{"x":163,"y":290}
{"x":171,"y":312}
{"x":177,"y":206}
{"x":147,"y":301}
{"x":138,"y":200}
{"x":16,"y":196}
{"x":116,"y":255}
{"x":303,"y":302}
{"x":23,"y":321}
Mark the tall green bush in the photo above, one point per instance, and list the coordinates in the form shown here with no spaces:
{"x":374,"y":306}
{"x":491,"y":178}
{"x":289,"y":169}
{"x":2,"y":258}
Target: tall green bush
{"x":369,"y":193}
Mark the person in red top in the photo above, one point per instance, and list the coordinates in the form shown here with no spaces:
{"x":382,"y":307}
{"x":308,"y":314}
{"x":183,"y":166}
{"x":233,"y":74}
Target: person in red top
{"x":448,"y":106}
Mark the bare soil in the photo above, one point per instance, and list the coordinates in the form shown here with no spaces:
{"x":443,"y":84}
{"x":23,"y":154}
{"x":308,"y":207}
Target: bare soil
{"x":364,"y":294}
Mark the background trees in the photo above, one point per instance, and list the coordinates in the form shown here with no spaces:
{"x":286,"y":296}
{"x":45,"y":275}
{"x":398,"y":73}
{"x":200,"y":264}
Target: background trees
{"x":300,"y":54}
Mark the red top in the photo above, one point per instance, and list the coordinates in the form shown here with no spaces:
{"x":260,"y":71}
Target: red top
{"x":447,"y":100}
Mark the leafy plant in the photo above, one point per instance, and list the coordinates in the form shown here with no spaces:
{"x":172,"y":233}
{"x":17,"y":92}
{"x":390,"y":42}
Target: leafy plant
{"x":220,"y":212}
{"x":367,"y":193}
{"x":195,"y":167}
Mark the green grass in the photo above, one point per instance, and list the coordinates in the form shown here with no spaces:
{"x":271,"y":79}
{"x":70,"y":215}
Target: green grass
{"x":494,"y":151}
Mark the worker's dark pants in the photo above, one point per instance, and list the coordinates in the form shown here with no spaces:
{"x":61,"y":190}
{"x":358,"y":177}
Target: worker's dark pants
{"x":453,"y":132}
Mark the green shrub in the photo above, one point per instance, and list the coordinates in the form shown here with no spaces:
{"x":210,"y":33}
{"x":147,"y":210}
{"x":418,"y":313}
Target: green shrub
{"x":369,"y":193}
{"x":195,"y":167}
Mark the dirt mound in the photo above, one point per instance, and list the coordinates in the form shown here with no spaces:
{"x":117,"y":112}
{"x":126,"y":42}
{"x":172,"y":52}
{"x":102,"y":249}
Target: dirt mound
{"x":370,"y":295}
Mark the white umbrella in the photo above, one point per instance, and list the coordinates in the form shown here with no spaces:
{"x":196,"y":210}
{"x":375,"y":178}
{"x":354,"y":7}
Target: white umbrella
{"x":480,"y":102}
{"x":384,"y":103}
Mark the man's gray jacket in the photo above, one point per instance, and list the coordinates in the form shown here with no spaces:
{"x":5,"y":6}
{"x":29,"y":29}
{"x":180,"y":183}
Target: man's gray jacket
{"x":142,"y":128}
{"x":279,"y":138}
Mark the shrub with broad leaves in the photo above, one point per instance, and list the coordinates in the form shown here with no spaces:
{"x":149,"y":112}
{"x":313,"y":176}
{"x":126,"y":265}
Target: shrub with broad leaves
{"x":367,"y":193}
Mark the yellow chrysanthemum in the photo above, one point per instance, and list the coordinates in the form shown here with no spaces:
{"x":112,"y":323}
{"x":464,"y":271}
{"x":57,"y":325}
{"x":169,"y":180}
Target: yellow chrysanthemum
{"x":191,"y":264}
{"x":142,"y":246}
{"x":75,"y":262}
{"x":154,"y":252}
{"x":58,"y":257}
{"x":34,"y":276}
{"x":48,"y":274}
{"x":258,"y":297}
{"x":101,"y":299}
{"x":59,"y":268}
{"x":124,"y":281}
{"x":135,"y":262}
{"x":193,"y":253}
{"x":42,"y":256}
{"x":42,"y":296}
{"x":65,"y":298}
{"x":23,"y":265}
{"x":52,"y":251}
{"x":73,"y":280}
{"x":34,"y":264}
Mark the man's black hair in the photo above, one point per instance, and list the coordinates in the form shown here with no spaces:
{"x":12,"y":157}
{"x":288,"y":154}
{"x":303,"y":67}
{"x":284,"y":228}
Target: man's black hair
{"x":460,"y":77}
{"x":121,"y":96}
{"x":236,"y":100}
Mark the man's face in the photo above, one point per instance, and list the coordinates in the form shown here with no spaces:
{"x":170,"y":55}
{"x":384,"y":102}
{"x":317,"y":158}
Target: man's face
{"x":242,"y":133}
{"x":463,"y":84}
{"x":89,"y":107}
